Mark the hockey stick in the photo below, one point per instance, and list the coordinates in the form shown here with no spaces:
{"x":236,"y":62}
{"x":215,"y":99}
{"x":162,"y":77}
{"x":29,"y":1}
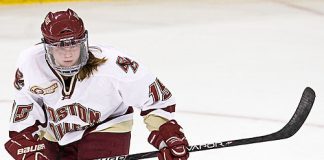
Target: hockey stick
{"x":294,"y":124}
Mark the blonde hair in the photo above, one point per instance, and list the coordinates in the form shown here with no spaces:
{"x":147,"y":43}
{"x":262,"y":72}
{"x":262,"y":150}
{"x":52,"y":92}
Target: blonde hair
{"x":92,"y":65}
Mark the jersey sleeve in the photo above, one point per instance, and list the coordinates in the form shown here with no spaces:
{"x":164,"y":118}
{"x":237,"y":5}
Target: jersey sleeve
{"x":142,"y":89}
{"x":27,"y":109}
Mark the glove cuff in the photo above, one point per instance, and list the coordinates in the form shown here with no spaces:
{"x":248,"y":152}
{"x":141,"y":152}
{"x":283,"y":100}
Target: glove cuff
{"x":156,"y":140}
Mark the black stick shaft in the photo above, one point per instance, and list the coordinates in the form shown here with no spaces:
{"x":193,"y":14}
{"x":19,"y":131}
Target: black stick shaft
{"x":294,"y":124}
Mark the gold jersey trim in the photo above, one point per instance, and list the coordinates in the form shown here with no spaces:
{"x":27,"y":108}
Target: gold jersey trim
{"x":121,"y":127}
{"x":153,"y":122}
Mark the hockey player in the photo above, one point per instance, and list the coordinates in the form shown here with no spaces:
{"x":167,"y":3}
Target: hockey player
{"x":75,"y":101}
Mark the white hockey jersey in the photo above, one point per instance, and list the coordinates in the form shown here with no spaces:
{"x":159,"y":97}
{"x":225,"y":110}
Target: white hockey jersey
{"x":95,"y":103}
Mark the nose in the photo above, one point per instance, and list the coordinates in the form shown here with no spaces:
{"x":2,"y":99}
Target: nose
{"x":67,"y":54}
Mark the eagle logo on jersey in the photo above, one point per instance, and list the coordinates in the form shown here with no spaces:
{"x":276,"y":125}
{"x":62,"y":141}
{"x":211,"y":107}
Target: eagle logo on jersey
{"x":124,"y":63}
{"x":19,"y":80}
{"x":48,"y":90}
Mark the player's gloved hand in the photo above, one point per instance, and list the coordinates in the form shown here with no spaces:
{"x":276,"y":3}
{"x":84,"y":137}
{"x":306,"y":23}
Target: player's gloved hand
{"x":24,"y":146}
{"x":171,"y":142}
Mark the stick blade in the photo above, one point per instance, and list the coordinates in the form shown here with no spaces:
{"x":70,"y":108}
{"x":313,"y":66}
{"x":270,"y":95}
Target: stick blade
{"x":297,"y":120}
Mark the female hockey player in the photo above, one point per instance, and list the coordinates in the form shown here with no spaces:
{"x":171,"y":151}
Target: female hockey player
{"x":75,"y":101}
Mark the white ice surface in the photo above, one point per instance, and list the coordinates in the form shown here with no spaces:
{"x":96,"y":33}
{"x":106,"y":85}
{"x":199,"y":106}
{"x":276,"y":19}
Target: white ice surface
{"x":236,"y":67}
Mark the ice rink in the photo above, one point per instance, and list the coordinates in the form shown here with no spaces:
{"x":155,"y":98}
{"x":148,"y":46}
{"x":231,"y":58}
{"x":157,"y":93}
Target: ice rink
{"x":236,"y":67}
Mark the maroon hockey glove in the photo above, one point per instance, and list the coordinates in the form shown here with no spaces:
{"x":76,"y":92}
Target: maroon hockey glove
{"x":24,"y":146}
{"x":171,"y":142}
